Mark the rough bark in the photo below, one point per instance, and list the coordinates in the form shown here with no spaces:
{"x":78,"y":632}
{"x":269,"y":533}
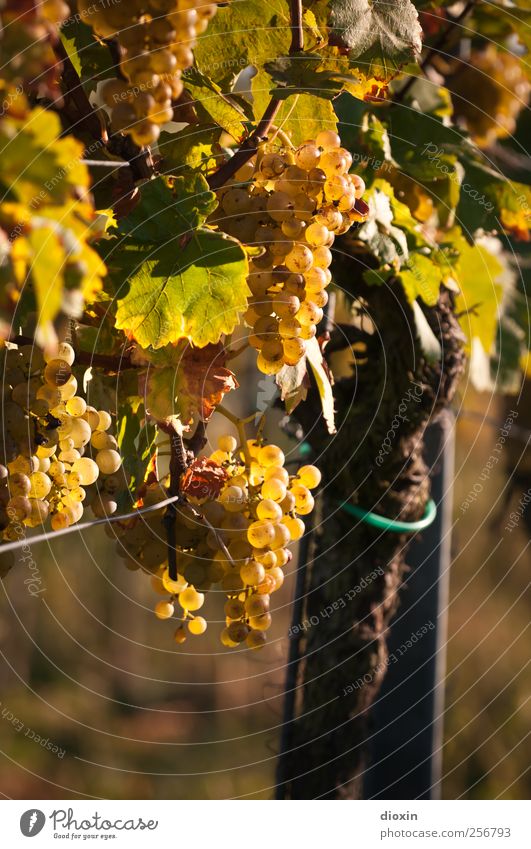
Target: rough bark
{"x":344,"y":649}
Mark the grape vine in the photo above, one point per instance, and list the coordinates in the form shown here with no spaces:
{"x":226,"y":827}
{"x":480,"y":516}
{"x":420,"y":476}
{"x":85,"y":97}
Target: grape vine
{"x":185,"y":181}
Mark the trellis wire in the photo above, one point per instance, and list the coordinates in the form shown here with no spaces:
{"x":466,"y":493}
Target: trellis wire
{"x":84,"y":526}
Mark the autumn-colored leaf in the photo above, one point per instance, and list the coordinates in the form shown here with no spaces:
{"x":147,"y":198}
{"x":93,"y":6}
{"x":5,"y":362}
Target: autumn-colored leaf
{"x":203,"y":480}
{"x":183,"y":382}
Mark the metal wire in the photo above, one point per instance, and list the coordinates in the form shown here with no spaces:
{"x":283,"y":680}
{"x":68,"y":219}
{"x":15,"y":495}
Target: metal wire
{"x":20,"y":543}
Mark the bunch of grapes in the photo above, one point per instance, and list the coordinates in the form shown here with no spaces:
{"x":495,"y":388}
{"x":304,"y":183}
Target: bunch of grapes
{"x":488,"y":94}
{"x":236,"y":539}
{"x":56,"y":449}
{"x":29,"y":31}
{"x":292,"y":204}
{"x":156,"y":38}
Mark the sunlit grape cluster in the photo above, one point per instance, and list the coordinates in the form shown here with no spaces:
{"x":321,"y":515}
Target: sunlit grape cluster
{"x":29,"y":31}
{"x":156,"y":39}
{"x":488,"y":93}
{"x":233,"y":542}
{"x":57,"y":455}
{"x":292,"y":204}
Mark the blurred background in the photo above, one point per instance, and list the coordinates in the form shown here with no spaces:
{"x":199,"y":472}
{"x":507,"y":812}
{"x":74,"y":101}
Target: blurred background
{"x":97,"y":701}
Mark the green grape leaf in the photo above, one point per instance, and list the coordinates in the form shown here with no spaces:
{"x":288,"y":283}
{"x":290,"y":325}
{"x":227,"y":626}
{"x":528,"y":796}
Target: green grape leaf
{"x":136,"y":438}
{"x":497,"y":22}
{"x":90,"y":57}
{"x":169,"y":208}
{"x":197,"y":292}
{"x":389,"y":225}
{"x":490,"y":201}
{"x":302,"y":116}
{"x":375,"y":140}
{"x":423,"y":146}
{"x":184,"y":382}
{"x":193,"y":147}
{"x":302,"y":75}
{"x":380,"y":35}
{"x":241,"y":35}
{"x":421,"y":278}
{"x":213,"y":105}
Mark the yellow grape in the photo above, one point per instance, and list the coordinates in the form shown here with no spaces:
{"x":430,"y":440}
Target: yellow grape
{"x":109,"y":461}
{"x":197,"y":625}
{"x":40,"y":485}
{"x":87,"y":470}
{"x":296,"y":527}
{"x":256,"y":605}
{"x":76,"y":406}
{"x":255,"y":639}
{"x":268,"y":559}
{"x":269,"y":509}
{"x":252,"y":573}
{"x":309,"y":476}
{"x":260,"y":534}
{"x":227,"y":443}
{"x":271,"y":455}
{"x":173,"y":586}
{"x":276,"y":472}
{"x":261,"y":622}
{"x":190,"y":599}
{"x":274,"y":488}
{"x":164,"y":610}
{"x":282,"y":536}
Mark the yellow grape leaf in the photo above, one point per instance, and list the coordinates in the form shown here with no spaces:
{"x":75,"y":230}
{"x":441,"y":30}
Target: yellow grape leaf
{"x":323,"y":380}
{"x":479,"y":274}
{"x":39,"y":167}
{"x":46,"y":269}
{"x":421,"y":278}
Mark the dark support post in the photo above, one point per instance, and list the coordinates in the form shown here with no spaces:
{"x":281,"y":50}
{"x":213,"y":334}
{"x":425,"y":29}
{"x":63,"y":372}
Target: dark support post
{"x":407,"y":717}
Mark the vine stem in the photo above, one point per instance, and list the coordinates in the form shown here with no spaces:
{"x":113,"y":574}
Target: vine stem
{"x":178,"y":465}
{"x":297,"y":34}
{"x":261,"y":132}
{"x":219,"y":540}
{"x":86,"y":116}
{"x":248,"y":148}
{"x":239,"y":424}
{"x":435,"y":48}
